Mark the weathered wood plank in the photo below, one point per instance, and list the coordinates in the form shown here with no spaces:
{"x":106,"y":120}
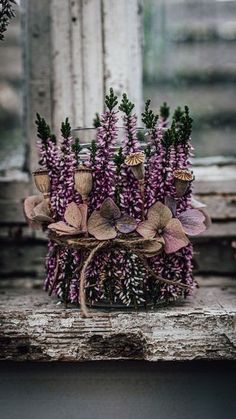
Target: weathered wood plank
{"x":62,"y":97}
{"x":214,"y":256}
{"x":76,"y":62}
{"x":37,"y":72}
{"x":93,"y":79}
{"x":220,"y":207}
{"x":34,"y":327}
{"x":215,"y":179}
{"x":122,"y":57}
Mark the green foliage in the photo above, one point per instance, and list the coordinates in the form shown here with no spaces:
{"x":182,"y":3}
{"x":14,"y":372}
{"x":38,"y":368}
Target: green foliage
{"x":148,"y":151}
{"x":43,"y":129}
{"x":6,"y":14}
{"x":76,"y":148}
{"x":96,"y":121}
{"x":118,"y":160}
{"x":148,"y":116}
{"x":183,"y":124}
{"x":93,"y":151}
{"x":164,"y":111}
{"x":169,"y":137}
{"x":178,"y":114}
{"x":111,"y":100}
{"x":65,"y":128}
{"x":126,"y":105}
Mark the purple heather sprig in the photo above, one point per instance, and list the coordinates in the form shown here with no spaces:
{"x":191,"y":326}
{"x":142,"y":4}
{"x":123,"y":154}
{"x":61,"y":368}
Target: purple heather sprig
{"x":130,"y":196}
{"x":103,"y":167}
{"x":156,"y":154}
{"x":49,"y":159}
{"x":67,"y":165}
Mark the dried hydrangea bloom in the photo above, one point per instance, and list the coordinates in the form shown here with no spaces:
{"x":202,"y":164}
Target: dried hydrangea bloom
{"x":160,"y":224}
{"x":106,"y":223}
{"x":76,"y":220}
{"x":37,"y":211}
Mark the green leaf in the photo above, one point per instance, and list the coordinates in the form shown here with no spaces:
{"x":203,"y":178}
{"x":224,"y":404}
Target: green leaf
{"x":126,"y":105}
{"x":148,"y":116}
{"x":96,"y":121}
{"x":164,"y":111}
{"x":111,"y":100}
{"x":43,"y":129}
{"x":65,"y":128}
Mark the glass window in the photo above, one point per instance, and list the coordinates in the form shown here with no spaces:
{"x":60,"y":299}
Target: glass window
{"x":11,"y":103}
{"x":189,"y":58}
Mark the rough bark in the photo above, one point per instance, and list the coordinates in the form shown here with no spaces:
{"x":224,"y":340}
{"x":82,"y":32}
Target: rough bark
{"x":36,"y":328}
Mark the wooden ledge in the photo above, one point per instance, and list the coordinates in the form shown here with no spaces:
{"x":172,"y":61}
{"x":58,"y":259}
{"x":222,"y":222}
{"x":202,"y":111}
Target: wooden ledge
{"x":35,"y":327}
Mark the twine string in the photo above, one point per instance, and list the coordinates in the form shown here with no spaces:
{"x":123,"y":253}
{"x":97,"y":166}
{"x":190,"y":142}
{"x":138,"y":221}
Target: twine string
{"x":94,"y":246}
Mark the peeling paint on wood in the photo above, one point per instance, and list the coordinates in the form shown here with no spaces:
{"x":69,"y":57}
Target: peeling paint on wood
{"x":34,"y":327}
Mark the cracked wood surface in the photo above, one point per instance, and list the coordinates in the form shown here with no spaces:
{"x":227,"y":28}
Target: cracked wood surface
{"x":37,"y":328}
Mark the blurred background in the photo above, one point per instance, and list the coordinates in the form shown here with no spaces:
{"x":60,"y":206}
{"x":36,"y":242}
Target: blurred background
{"x":188,"y":58}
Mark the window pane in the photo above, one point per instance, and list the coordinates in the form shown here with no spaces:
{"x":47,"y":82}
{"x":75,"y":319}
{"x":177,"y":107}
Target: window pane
{"x":11,"y":138}
{"x":189,"y":58}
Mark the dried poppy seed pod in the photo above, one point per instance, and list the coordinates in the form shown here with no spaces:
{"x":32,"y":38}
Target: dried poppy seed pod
{"x":135,"y":161}
{"x":42,"y":181}
{"x":183,"y":179}
{"x":83,"y":181}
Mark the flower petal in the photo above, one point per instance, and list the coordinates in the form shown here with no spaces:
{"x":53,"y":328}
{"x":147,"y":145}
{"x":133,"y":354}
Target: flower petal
{"x":197,"y":204}
{"x":100,"y":227}
{"x":110,"y":210}
{"x":159,"y":214}
{"x":146,"y":229}
{"x":42,"y":213}
{"x":73,"y":215}
{"x":174,"y":236}
{"x":62,"y":229}
{"x":207,"y":220}
{"x":126,"y":224}
{"x":171,"y":203}
{"x":29,"y":205}
{"x":192,"y":221}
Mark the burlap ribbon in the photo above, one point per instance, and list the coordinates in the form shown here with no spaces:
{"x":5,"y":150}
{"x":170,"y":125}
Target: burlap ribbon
{"x":141,"y":247}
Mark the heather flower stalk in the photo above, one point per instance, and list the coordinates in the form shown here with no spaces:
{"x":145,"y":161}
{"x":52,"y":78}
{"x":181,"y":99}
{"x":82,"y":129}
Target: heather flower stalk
{"x":155,"y":172}
{"x":67,"y":165}
{"x":103,"y":169}
{"x":131,"y":200}
{"x":49,"y":159}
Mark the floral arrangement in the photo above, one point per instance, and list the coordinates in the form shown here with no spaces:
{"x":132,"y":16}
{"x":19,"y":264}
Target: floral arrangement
{"x":118,"y":219}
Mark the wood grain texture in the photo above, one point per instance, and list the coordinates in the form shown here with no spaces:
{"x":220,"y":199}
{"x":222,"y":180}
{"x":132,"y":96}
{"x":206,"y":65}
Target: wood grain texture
{"x":37,"y":328}
{"x":93,"y":77}
{"x":62,"y":97}
{"x":37,"y":71}
{"x":122,"y":49}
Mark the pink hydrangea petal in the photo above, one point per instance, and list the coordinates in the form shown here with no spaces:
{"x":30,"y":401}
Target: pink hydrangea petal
{"x":100,"y":227}
{"x":159,"y":214}
{"x":62,"y":229}
{"x":126,"y":224}
{"x":72,"y":215}
{"x":29,"y":204}
{"x":174,"y":236}
{"x":171,"y":203}
{"x":146,"y":229}
{"x":192,"y":221}
{"x":110,"y":210}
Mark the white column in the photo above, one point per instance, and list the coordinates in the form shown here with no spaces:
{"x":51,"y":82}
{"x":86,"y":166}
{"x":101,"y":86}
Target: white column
{"x":75,"y":50}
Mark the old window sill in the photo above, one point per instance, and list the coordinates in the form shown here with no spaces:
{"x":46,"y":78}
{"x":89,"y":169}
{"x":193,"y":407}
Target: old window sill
{"x":35,"y":327}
